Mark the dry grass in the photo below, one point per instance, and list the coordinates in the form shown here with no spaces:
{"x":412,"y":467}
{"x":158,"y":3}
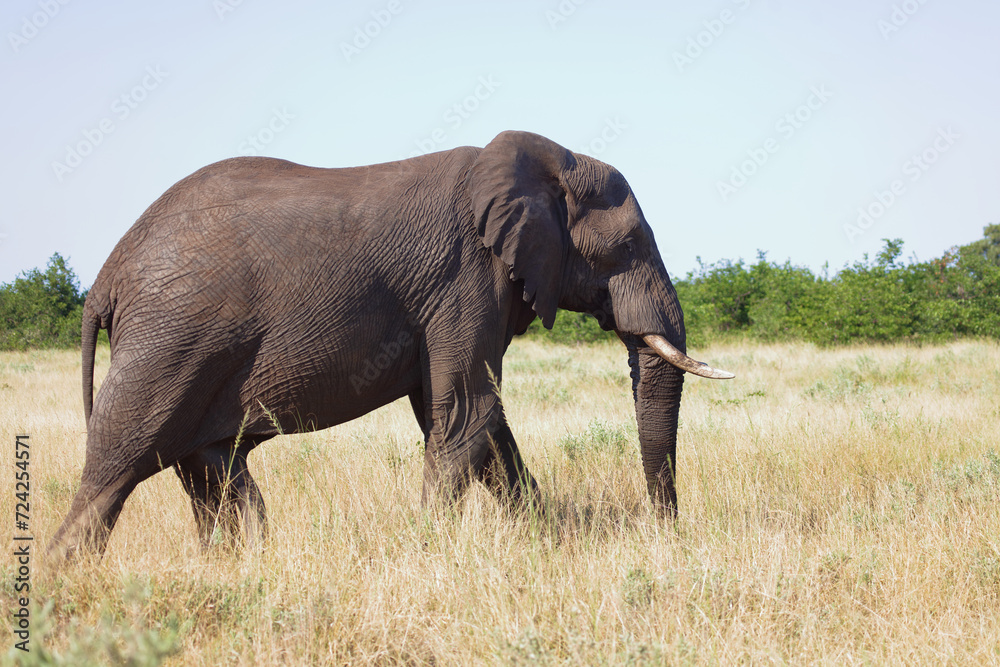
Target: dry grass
{"x":836,"y":507}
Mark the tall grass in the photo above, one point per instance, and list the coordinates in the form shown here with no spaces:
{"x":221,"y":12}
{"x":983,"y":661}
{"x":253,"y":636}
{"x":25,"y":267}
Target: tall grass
{"x":837,"y":506}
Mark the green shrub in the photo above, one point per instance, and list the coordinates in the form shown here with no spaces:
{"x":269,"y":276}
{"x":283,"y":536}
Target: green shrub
{"x":874,"y":300}
{"x":41,"y":309}
{"x":880,"y":300}
{"x":570,"y":328}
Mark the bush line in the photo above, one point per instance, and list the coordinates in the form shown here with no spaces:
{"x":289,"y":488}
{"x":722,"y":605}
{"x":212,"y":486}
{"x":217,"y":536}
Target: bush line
{"x":882,"y":300}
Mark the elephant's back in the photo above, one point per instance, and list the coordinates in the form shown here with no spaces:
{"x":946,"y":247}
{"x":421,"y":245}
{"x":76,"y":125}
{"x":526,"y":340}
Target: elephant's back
{"x":257,"y":242}
{"x":221,"y":230}
{"x":278,"y":211}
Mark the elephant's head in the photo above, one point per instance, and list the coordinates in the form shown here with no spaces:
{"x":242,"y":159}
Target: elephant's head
{"x":569,"y":227}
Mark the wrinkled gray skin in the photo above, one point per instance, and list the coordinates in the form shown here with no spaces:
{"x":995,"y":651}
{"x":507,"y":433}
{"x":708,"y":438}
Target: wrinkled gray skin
{"x":258,"y":291}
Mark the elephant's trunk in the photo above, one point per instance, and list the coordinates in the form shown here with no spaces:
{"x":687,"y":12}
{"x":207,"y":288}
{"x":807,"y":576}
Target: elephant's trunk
{"x":656,"y":387}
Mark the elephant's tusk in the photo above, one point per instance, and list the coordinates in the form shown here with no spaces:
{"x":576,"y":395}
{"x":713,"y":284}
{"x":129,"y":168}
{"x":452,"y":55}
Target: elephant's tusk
{"x":677,"y":358}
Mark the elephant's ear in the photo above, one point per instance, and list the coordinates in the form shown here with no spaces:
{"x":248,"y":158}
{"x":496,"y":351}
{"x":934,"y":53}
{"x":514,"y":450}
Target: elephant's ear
{"x":519,"y":203}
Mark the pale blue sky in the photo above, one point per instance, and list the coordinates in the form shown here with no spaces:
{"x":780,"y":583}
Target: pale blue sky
{"x":608,"y":78}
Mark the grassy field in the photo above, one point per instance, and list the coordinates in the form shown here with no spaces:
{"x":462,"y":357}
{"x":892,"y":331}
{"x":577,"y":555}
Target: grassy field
{"x":837,"y":507}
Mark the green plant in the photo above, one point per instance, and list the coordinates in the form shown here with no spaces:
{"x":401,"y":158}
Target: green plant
{"x":109,"y":642}
{"x":41,"y":309}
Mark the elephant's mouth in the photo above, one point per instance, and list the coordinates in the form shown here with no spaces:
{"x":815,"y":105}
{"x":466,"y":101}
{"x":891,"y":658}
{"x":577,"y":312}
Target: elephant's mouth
{"x":678,"y":359}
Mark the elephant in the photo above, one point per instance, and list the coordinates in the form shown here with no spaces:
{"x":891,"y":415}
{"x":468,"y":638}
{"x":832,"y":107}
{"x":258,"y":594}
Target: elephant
{"x":258,"y":296}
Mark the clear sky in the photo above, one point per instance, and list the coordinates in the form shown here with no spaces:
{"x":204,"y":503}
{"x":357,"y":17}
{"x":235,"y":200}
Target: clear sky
{"x":809,"y":129}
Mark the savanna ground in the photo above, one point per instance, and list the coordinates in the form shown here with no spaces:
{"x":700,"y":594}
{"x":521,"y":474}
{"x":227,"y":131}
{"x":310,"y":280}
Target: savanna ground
{"x":837,"y":506}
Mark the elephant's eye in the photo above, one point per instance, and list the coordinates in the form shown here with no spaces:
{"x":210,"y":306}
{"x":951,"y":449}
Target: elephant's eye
{"x":630,"y":247}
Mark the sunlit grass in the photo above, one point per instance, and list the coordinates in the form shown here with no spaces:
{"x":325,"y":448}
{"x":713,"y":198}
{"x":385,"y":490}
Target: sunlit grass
{"x":837,"y":506}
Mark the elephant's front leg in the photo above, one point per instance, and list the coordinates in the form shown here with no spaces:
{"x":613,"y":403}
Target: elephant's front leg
{"x":467,"y":437}
{"x":460,"y":416}
{"x":505,"y":472}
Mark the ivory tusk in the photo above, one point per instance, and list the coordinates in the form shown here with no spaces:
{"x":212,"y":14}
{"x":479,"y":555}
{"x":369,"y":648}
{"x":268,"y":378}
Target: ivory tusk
{"x":677,"y":358}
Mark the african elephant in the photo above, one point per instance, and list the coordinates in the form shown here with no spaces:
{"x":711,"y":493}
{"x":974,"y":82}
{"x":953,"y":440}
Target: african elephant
{"x":258,"y":296}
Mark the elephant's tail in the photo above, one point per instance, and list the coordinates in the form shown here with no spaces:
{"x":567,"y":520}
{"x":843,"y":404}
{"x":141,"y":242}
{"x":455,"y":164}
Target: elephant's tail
{"x":88,"y":347}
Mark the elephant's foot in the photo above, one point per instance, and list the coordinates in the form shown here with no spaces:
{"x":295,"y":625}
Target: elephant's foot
{"x":224,"y":498}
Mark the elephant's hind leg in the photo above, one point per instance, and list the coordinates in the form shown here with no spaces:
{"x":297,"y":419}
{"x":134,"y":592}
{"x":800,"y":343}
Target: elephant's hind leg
{"x":224,"y":494}
{"x":92,"y":516}
{"x":111,"y":472}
